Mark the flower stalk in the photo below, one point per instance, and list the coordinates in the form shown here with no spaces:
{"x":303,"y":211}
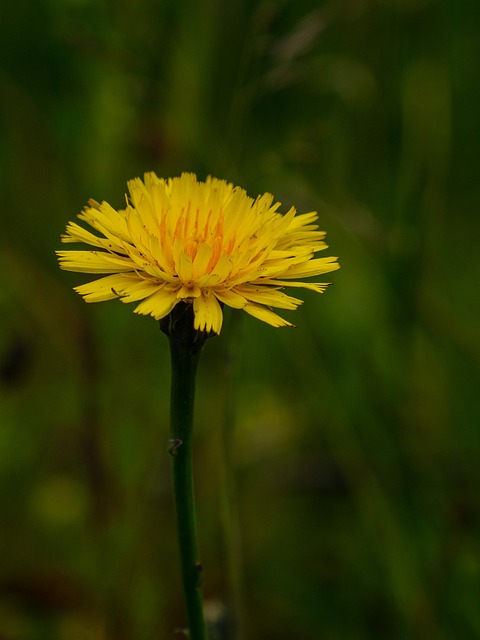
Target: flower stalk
{"x":185,"y":347}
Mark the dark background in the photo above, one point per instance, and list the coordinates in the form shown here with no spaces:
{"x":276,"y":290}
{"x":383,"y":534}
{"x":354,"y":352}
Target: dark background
{"x":356,"y":444}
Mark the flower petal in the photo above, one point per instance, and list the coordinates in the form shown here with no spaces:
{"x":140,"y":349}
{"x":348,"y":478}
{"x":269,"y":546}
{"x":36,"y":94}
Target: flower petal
{"x":208,"y":313}
{"x":140,"y":290}
{"x":94,"y":262}
{"x":184,"y":267}
{"x":204,"y":253}
{"x":312,"y":268}
{"x":319,"y":287}
{"x":268,"y":296}
{"x":76,"y":233}
{"x":230,"y":298}
{"x":157,"y":305}
{"x":106,"y":288}
{"x":266,"y":315}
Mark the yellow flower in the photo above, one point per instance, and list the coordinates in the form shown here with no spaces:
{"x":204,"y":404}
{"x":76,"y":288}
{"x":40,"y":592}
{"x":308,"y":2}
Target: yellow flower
{"x":203,"y":243}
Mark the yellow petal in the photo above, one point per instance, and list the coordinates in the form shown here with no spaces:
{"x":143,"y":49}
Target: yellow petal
{"x":312,"y":268}
{"x":266,"y":316}
{"x":221,"y":271}
{"x":142,"y":262}
{"x":184,"y":267}
{"x":319,"y":287}
{"x":204,"y":253}
{"x":270,"y":297}
{"x":208,"y":313}
{"x":157,"y":305}
{"x":106,"y":220}
{"x":93,"y":262}
{"x":188,"y":292}
{"x":105,"y":288}
{"x":303,"y":219}
{"x":76,"y":233}
{"x":230,"y":298}
{"x":140,"y":290}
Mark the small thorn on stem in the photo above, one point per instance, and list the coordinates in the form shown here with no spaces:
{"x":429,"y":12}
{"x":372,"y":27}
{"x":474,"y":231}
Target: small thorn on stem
{"x":173,"y":446}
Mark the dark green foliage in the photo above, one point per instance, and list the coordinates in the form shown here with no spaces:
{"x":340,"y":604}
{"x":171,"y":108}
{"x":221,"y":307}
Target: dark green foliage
{"x":356,"y":435}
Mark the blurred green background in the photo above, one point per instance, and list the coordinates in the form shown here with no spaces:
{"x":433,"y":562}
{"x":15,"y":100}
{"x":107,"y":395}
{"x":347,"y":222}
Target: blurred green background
{"x":356,"y":446}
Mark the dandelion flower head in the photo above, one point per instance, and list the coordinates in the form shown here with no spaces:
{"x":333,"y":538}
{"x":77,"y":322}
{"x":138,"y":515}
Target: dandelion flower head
{"x":203,"y":243}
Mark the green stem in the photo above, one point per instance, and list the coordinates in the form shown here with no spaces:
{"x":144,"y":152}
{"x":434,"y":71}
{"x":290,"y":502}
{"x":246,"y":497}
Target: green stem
{"x":185,"y":348}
